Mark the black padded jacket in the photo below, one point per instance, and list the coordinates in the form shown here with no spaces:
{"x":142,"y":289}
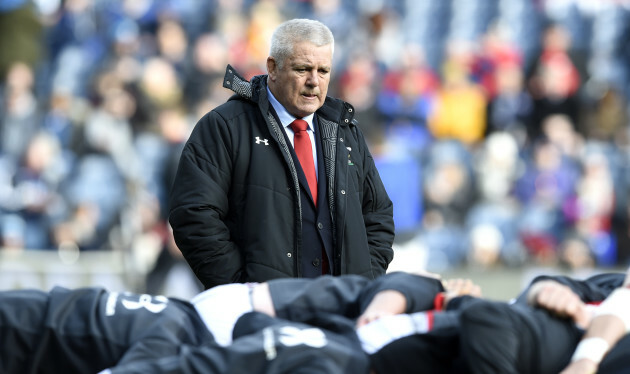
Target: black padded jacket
{"x":235,"y":204}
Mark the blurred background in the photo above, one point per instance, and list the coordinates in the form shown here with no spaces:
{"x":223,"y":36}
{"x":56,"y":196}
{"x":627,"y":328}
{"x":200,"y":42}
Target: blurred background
{"x":500,"y":129}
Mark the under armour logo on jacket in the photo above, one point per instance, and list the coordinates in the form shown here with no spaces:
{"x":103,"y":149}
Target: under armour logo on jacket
{"x":259,"y":140}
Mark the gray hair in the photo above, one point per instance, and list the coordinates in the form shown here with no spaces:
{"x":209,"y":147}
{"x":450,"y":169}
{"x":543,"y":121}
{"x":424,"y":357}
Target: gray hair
{"x":295,"y":31}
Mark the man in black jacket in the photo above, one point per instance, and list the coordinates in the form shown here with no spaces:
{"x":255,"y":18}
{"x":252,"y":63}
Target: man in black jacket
{"x":535,"y":333}
{"x":247,"y":207}
{"x":605,"y":346}
{"x":538,"y":332}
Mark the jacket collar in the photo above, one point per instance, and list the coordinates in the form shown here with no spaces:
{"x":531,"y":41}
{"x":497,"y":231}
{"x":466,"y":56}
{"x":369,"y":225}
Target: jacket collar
{"x":333,"y":109}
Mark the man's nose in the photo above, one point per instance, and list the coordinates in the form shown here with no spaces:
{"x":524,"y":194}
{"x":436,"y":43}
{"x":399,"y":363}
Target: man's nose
{"x":313,"y":78}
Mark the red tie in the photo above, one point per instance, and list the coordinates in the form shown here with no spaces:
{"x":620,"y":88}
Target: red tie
{"x":304,"y":151}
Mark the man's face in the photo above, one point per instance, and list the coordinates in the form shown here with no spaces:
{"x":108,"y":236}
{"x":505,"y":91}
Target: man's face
{"x":302,"y":83}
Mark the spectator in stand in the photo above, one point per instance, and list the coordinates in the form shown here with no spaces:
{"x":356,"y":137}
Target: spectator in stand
{"x":35,"y":185}
{"x":207,"y":65}
{"x":511,"y":108}
{"x":555,"y":82}
{"x":460,"y":104}
{"x":544,"y":189}
{"x":20,"y":35}
{"x":448,"y":192}
{"x":20,"y":111}
{"x":594,"y":204}
{"x":358,"y":83}
{"x":406,"y":99}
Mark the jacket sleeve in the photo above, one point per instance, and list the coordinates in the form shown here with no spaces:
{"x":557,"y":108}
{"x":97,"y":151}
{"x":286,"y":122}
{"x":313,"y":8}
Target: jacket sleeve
{"x":419,"y":291}
{"x":191,"y":359}
{"x":592,"y":289}
{"x":348,"y":295}
{"x":300,"y":299}
{"x":199,"y":204}
{"x":279,"y":347}
{"x":378,"y":213}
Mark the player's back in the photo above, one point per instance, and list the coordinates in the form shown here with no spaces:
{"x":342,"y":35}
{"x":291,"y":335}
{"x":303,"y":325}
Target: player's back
{"x":87,"y":330}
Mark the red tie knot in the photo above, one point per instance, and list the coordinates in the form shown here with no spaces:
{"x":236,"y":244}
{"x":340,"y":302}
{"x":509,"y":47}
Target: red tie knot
{"x":299,"y":125}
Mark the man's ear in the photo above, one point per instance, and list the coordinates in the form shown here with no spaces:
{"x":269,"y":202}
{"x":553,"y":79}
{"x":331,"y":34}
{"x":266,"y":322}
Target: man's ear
{"x":271,"y":68}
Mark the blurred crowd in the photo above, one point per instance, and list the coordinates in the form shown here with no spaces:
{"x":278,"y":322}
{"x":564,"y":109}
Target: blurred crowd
{"x":500,"y":127}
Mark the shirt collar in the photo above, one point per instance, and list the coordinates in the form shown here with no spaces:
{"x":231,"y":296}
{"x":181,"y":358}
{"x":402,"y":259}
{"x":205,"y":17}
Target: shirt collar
{"x":283,"y":115}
